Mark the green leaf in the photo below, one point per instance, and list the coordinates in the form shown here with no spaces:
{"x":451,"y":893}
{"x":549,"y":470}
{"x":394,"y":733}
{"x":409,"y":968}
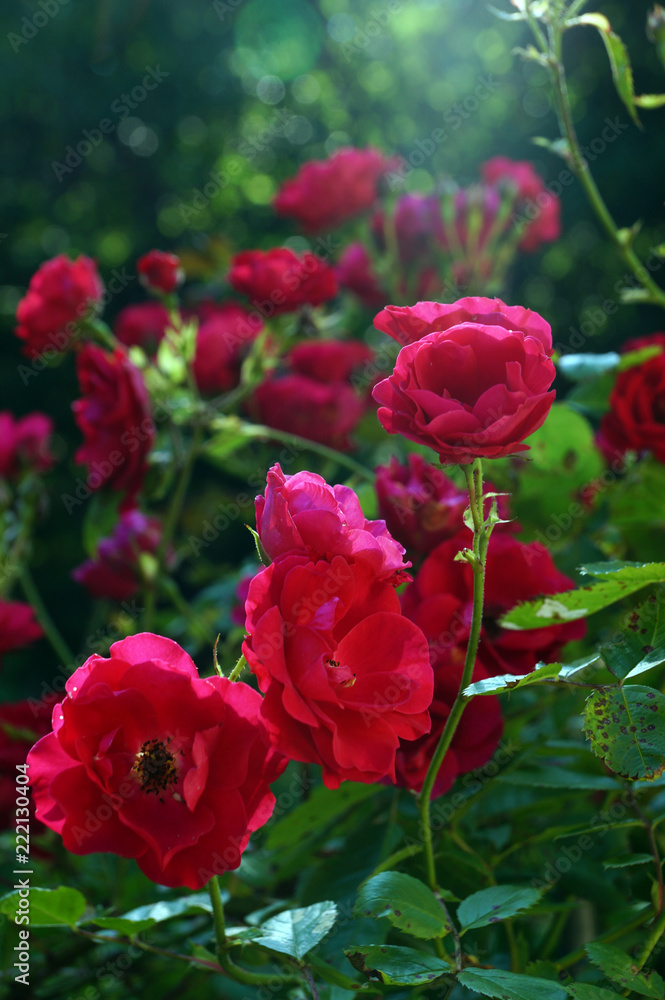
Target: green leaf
{"x":543,"y":673}
{"x":619,"y":581}
{"x":618,"y":967}
{"x":497,"y":903}
{"x":61,"y":907}
{"x":295,"y":932}
{"x":628,"y":860}
{"x":396,"y":966}
{"x":146,"y":916}
{"x":330,"y":974}
{"x":584,"y":991}
{"x":407,"y":902}
{"x":323,"y":805}
{"x":101,"y":516}
{"x":510,"y":985}
{"x":619,"y":60}
{"x":626,"y":729}
{"x":558,"y":777}
{"x":639,"y":646}
{"x":579,"y":367}
{"x":633,"y":358}
{"x":258,"y":545}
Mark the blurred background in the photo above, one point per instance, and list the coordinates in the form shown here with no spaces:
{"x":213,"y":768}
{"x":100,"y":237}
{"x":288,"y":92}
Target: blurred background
{"x":130,"y":125}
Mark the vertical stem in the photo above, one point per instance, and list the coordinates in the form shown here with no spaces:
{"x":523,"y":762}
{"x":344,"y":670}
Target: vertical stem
{"x":481,"y":534}
{"x":657,"y":932}
{"x":51,"y":631}
{"x":217,"y":912}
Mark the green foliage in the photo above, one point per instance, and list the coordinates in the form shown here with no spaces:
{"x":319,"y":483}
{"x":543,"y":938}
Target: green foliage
{"x":492,"y":905}
{"x":620,"y":968}
{"x":510,"y":986}
{"x":626,"y":729}
{"x":396,"y":966}
{"x":61,"y":907}
{"x":296,"y":932}
{"x":405,"y":901}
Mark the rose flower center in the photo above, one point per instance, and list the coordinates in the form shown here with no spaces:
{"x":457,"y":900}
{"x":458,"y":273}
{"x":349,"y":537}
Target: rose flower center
{"x":155,"y":767}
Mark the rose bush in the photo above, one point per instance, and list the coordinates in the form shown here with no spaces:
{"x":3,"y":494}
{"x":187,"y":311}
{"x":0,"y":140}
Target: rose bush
{"x":278,"y":281}
{"x":149,"y":761}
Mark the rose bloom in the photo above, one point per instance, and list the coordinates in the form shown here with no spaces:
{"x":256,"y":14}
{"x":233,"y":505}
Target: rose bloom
{"x":326,"y":193}
{"x":440,"y":602}
{"x":345,"y":675}
{"x":304,"y":515}
{"x":114,"y":572}
{"x":355,"y":274}
{"x":418,"y":226}
{"x":160,"y":271}
{"x":422,"y":506}
{"x":21,"y":724}
{"x":476,"y":737}
{"x":149,"y":761}
{"x":18,"y":627}
{"x":278,"y":281}
{"x":314,"y":399}
{"x":636,"y":421}
{"x":222,"y":341}
{"x":545,"y":226}
{"x":61,"y":292}
{"x":472,"y":379}
{"x":142,"y":325}
{"x":24,"y":444}
{"x":115,"y":419}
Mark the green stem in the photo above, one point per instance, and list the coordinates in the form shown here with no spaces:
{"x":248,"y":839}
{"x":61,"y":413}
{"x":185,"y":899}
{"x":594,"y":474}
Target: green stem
{"x":581,"y":168}
{"x":171,"y":590}
{"x":238,"y":669}
{"x":174,"y":511}
{"x":60,"y":647}
{"x":617,"y":932}
{"x":657,"y":932}
{"x":304,"y":444}
{"x":227,"y":964}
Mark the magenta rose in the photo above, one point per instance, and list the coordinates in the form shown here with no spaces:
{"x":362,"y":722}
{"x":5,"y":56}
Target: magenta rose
{"x":149,"y":761}
{"x":355,"y":273}
{"x":303,"y":515}
{"x":18,"y":626}
{"x":345,"y":675}
{"x":160,"y":271}
{"x":326,"y":193}
{"x":142,"y":325}
{"x":61,"y":293}
{"x":472,"y":380}
{"x":24,"y":444}
{"x":541,"y":209}
{"x":115,"y":419}
{"x":222,"y":341}
{"x":114,"y":572}
{"x":278,"y":281}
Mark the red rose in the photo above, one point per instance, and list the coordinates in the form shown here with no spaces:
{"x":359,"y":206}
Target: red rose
{"x":475,"y":740}
{"x":221,"y":342}
{"x":345,"y":675}
{"x":160,"y":271}
{"x":24,"y":444}
{"x":149,"y":761}
{"x":115,"y":419}
{"x":355,"y":273}
{"x":440,"y":602}
{"x":143,"y":325}
{"x":60,"y":293}
{"x":21,"y":724}
{"x":325,"y":193}
{"x":303,"y":515}
{"x":316,"y":401}
{"x":18,"y":627}
{"x":114,"y":572}
{"x":422,"y":506}
{"x":636,"y":421}
{"x":543,"y":220}
{"x":278,"y":281}
{"x":472,"y":380}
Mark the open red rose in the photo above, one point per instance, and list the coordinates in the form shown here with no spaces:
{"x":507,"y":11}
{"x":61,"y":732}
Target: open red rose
{"x":114,"y":572}
{"x":303,"y":515}
{"x":18,"y":627}
{"x":61,"y":292}
{"x":149,"y":761}
{"x":475,"y":740}
{"x":325,"y":193}
{"x":472,"y":380}
{"x":160,"y":271}
{"x":24,"y":444}
{"x":222,"y":341}
{"x":115,"y":419}
{"x":345,"y":675}
{"x":142,"y":324}
{"x":278,"y":281}
{"x":440,"y":602}
{"x":636,"y":421}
